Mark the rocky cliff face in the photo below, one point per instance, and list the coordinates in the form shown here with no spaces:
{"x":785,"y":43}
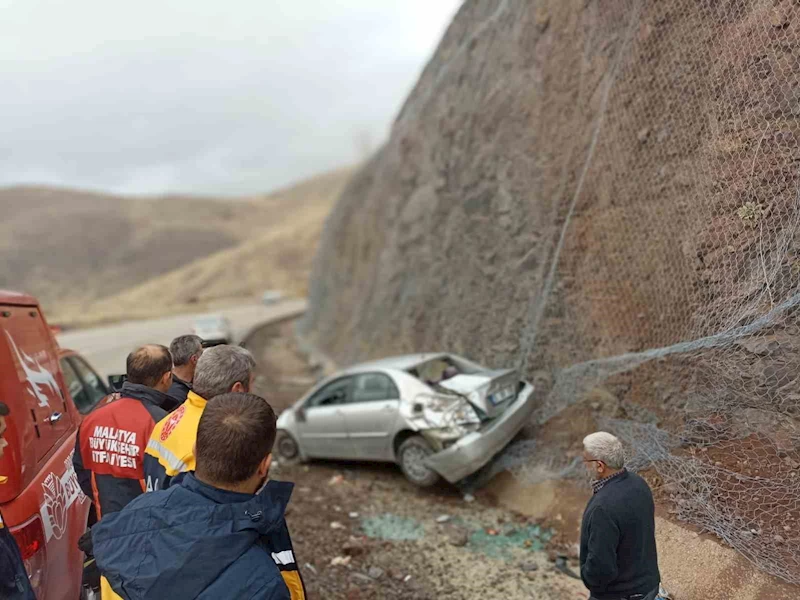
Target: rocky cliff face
{"x":570,"y":180}
{"x":605,"y":194}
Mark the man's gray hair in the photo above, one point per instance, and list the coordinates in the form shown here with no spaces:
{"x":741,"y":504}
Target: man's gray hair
{"x":220,"y":368}
{"x":183,"y":348}
{"x":605,"y":447}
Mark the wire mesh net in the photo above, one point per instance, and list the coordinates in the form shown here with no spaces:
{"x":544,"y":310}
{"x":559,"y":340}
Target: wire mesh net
{"x":647,"y":154}
{"x":682,"y":236}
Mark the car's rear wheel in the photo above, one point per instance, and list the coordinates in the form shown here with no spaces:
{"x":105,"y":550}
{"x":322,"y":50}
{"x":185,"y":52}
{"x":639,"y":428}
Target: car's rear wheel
{"x":287,"y":449}
{"x":411,"y":457}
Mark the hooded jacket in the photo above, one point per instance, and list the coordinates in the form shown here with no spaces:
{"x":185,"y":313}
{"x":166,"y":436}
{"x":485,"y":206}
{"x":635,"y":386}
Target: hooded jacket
{"x":110,"y":446}
{"x":197,"y":541}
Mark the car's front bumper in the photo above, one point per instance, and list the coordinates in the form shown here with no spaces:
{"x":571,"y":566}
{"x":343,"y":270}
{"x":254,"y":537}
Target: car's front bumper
{"x":474,"y":450}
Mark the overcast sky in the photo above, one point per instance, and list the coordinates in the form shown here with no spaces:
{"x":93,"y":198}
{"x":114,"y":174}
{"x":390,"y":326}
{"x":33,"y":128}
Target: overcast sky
{"x":205,"y":96}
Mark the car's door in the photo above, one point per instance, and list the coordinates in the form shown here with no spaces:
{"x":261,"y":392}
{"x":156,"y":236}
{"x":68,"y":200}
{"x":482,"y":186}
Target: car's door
{"x":321,"y":423}
{"x":371,"y":415}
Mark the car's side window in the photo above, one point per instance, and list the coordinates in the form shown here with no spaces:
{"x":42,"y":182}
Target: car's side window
{"x":92,"y":384}
{"x":372,"y":387}
{"x":75,"y":387}
{"x":332,"y":394}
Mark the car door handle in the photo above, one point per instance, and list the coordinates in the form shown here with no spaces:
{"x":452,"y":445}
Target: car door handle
{"x":55,"y":417}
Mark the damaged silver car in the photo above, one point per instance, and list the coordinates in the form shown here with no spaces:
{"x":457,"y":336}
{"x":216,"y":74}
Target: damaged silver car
{"x":435,"y":415}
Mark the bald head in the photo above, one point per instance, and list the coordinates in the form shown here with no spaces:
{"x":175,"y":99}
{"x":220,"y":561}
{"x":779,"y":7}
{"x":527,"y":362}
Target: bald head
{"x":149,"y":366}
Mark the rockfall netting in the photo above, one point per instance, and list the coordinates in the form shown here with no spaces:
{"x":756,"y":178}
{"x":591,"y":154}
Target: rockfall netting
{"x":697,"y":253}
{"x":606,"y":194}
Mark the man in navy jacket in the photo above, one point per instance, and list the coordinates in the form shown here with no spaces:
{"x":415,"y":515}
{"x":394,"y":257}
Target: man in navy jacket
{"x":618,"y":532}
{"x":218,"y":533}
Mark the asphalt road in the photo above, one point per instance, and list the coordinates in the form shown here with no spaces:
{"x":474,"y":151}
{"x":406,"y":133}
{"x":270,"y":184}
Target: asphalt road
{"x":106,"y":348}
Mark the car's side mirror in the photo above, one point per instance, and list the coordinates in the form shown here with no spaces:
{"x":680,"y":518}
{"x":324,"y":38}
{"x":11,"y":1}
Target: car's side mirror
{"x":300,"y":414}
{"x":115,"y":381}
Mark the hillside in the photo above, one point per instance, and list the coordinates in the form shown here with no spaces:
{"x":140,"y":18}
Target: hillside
{"x":277,"y":257}
{"x":72,"y":248}
{"x":604,"y":195}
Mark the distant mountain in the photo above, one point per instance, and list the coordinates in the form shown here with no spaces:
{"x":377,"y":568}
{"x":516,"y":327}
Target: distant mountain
{"x":74,"y":248}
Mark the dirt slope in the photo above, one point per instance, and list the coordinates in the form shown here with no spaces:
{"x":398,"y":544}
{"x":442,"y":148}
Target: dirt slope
{"x":71,"y":248}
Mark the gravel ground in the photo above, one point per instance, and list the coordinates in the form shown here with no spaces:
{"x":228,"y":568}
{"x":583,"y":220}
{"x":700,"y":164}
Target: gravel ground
{"x":391,"y":540}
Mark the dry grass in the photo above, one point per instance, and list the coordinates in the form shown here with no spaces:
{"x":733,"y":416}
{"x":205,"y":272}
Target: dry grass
{"x":276,"y":253}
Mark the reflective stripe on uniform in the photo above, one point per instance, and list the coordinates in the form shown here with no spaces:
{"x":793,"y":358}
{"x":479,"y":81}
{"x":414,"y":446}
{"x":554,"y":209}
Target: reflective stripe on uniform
{"x":166,"y":456}
{"x":283,"y":558}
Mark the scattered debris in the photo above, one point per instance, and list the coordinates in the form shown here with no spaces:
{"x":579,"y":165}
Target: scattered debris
{"x":469,"y":498}
{"x":311,"y":568}
{"x":337,"y":525}
{"x":341,"y":561}
{"x":362,"y":577}
{"x":529,"y":567}
{"x":392,"y":527}
{"x":304,"y":490}
{"x":375,"y":572}
{"x":574,"y":551}
{"x":353,"y":515}
{"x":499,"y":543}
{"x":458,"y":538}
{"x":563,"y":567}
{"x":407,"y":578}
{"x":443,"y":519}
{"x":354,"y":547}
{"x":336,"y":480}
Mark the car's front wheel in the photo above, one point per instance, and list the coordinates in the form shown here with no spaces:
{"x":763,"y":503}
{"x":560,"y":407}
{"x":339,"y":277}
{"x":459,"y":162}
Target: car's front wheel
{"x":286,"y":448}
{"x":411,"y":457}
